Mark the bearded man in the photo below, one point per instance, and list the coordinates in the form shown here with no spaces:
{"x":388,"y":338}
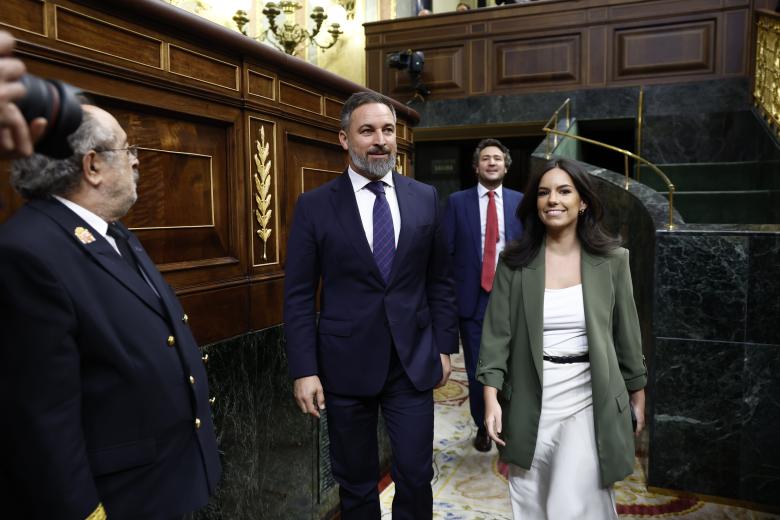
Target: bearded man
{"x":372,"y":241}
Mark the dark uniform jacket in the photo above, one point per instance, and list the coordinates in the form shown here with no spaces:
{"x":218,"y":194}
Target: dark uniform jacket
{"x":103,"y":391}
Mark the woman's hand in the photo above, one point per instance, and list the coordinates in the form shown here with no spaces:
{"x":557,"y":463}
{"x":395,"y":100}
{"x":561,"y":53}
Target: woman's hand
{"x":493,"y":414}
{"x":637,"y":400}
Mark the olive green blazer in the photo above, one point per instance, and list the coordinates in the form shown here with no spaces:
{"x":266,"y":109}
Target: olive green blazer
{"x":511,"y":356}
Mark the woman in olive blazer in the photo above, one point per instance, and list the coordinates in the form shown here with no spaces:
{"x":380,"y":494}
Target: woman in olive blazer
{"x":510,"y":364}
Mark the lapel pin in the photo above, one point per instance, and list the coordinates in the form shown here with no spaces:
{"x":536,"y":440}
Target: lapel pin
{"x":83,"y":235}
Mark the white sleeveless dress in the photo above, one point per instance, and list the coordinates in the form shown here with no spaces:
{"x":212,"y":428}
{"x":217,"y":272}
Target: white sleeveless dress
{"x":563,"y":482}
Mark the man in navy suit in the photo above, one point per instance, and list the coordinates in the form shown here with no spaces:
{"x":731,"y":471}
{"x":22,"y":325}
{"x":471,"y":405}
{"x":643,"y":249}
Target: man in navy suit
{"x":371,"y":239}
{"x":103,"y":391}
{"x":479,"y":223}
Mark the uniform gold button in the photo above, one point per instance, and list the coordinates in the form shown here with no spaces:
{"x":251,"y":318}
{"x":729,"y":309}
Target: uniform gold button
{"x":192,"y":380}
{"x":212,"y":401}
{"x":197,"y":423}
{"x":185,"y":318}
{"x":205,"y":359}
{"x":171,"y":341}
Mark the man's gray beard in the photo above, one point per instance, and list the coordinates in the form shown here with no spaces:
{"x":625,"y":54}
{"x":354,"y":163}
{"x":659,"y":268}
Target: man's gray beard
{"x":374,"y":169}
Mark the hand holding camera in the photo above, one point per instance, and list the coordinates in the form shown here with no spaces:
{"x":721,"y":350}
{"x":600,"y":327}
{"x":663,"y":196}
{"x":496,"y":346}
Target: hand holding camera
{"x":16,"y":136}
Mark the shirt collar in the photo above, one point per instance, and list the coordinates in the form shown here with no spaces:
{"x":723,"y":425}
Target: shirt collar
{"x":482,"y":191}
{"x":359,"y":182}
{"x":100,"y":225}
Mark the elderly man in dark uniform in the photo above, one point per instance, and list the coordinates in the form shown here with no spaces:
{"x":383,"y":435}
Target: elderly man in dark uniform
{"x":103,"y":391}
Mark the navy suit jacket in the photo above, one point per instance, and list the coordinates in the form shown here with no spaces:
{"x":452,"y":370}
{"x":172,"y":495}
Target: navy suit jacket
{"x":464,"y":241}
{"x":96,"y":404}
{"x":361,"y":317}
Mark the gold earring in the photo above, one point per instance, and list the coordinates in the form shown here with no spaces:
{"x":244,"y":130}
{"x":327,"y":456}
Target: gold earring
{"x":581,"y":211}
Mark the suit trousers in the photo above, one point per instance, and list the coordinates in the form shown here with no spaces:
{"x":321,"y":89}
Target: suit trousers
{"x":470,"y":337}
{"x":352,"y":427}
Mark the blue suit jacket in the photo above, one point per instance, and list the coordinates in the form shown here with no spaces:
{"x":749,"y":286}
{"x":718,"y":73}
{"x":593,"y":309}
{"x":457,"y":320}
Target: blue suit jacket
{"x":97,"y":406}
{"x":361,"y":316}
{"x":464,"y":241}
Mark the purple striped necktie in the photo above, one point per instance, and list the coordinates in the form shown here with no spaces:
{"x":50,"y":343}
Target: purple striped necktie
{"x":384,"y":235}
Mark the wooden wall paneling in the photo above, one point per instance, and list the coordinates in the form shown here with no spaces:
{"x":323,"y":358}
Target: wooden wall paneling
{"x":218,"y":313}
{"x":175,"y":83}
{"x":629,"y":11}
{"x":266,"y":303}
{"x":620,"y":42}
{"x":423,"y":34}
{"x":736,"y":41}
{"x":261,"y":84}
{"x":478,"y":70}
{"x":311,"y":159}
{"x":25,"y":15}
{"x":332,"y":109}
{"x":202,"y":68}
{"x":443,"y":72}
{"x":299,"y":98}
{"x":401,"y":131}
{"x":596,"y":56}
{"x":183,"y":212}
{"x":542,"y":60}
{"x":554,"y":22}
{"x":676,"y":48}
{"x":124,"y":44}
{"x":375,"y":66}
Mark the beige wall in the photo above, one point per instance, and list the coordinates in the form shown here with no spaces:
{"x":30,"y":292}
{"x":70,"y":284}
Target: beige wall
{"x":347,"y":58}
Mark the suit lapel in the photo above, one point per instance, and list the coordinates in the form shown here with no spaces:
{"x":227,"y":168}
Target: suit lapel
{"x":101,"y":251}
{"x":474,"y":222}
{"x":348,"y":216}
{"x":510,"y":219}
{"x":533,"y":306}
{"x":595,"y":278}
{"x":406,"y":205}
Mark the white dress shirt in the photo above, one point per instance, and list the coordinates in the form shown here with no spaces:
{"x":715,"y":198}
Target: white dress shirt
{"x":365,"y":202}
{"x":482,"y":192}
{"x":101,"y":226}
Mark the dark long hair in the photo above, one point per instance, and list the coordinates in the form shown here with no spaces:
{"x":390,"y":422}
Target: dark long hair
{"x":590,"y":230}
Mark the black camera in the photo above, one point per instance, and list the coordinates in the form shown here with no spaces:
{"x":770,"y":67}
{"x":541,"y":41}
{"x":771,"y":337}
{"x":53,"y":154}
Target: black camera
{"x":60,"y":105}
{"x":413,"y":62}
{"x":410,"y":60}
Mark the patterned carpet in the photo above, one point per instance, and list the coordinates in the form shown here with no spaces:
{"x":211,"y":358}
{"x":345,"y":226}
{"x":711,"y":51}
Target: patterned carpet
{"x":469,"y":485}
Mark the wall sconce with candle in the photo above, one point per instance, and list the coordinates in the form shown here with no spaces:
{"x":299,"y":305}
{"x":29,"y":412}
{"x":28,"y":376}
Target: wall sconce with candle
{"x":289,"y":36}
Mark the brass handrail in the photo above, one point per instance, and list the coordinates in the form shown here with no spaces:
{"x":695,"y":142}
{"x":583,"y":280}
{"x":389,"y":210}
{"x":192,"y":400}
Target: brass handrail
{"x":639,"y":123}
{"x":626,"y":154}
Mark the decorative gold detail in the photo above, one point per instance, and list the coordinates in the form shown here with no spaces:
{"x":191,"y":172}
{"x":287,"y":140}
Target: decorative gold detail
{"x":83,"y":235}
{"x":555,"y":135}
{"x":767,"y":90}
{"x":263,"y":189}
{"x":98,"y":514}
{"x":399,"y":164}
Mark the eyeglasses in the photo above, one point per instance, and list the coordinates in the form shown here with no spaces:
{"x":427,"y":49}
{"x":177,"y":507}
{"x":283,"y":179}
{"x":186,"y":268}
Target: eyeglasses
{"x":132,"y":150}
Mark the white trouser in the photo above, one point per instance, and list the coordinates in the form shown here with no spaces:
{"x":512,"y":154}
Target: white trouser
{"x":563,"y":482}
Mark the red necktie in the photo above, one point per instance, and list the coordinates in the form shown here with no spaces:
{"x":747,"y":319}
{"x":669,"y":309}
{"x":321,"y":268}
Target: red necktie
{"x":491,"y":238}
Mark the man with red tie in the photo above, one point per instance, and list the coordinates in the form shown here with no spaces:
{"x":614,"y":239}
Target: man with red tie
{"x":479,"y":223}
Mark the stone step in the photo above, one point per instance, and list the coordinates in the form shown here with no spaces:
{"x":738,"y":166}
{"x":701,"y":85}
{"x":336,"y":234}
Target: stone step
{"x":756,"y":175}
{"x":728,"y":207}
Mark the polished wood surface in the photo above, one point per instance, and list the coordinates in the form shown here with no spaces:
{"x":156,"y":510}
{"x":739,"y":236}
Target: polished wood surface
{"x":563,"y":45}
{"x":201,"y":103}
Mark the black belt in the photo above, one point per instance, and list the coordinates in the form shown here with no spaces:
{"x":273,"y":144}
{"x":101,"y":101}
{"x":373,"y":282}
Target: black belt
{"x":567,"y":359}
